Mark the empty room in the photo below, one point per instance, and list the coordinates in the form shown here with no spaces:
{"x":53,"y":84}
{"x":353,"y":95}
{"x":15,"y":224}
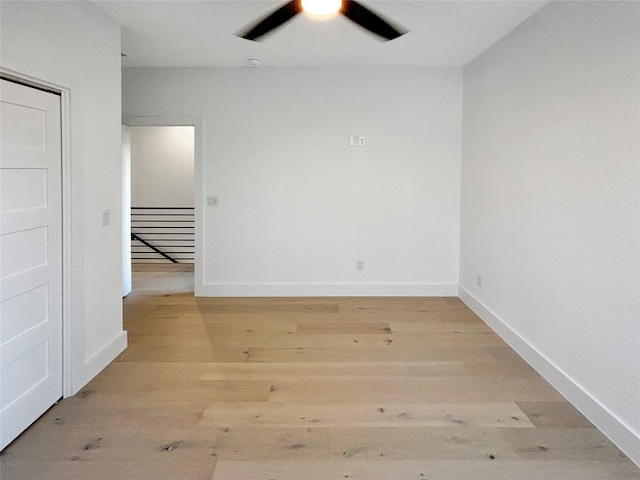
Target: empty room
{"x":416,"y":240}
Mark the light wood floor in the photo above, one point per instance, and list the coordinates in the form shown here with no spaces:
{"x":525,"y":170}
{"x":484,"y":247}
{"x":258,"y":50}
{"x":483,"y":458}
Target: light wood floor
{"x":312,"y":389}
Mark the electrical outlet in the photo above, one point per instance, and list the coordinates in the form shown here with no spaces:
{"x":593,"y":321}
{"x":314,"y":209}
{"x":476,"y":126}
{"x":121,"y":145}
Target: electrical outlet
{"x":359,"y":264}
{"x":479,"y":280}
{"x":353,"y":141}
{"x":362,"y":141}
{"x":212,"y":201}
{"x":106,"y":218}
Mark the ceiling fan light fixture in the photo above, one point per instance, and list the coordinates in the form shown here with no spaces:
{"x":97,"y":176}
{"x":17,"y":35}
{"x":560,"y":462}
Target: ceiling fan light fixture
{"x":321,"y":7}
{"x":351,"y":9}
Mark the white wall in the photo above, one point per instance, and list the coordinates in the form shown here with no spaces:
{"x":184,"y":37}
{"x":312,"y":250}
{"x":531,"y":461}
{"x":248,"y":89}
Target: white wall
{"x":550,"y":203}
{"x":76,"y":47}
{"x":127,"y":277}
{"x":298,"y":206}
{"x":162,"y":166}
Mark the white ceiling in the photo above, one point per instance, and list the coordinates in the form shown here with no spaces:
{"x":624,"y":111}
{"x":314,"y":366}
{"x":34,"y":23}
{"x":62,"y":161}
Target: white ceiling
{"x":200,"y":33}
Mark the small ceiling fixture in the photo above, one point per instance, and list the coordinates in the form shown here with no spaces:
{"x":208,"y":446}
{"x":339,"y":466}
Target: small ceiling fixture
{"x":354,"y":11}
{"x":255,"y":62}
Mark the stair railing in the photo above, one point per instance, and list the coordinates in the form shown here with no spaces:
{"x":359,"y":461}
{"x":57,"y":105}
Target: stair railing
{"x":162,"y":234}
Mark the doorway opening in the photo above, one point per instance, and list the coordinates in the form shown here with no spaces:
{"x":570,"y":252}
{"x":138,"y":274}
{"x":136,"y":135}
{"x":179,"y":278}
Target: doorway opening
{"x":162,"y":237}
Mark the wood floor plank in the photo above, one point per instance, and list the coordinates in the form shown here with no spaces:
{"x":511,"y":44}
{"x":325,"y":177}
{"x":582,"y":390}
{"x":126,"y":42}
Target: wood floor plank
{"x":344,"y":328}
{"x":278,"y":443}
{"x":416,"y":469}
{"x":99,"y":444}
{"x":332,"y":370}
{"x":177,"y":353}
{"x":436,"y":326}
{"x":234,"y":307}
{"x":554,"y":415}
{"x":418,"y":443}
{"x":176,"y":390}
{"x":106,"y":411}
{"x":420,"y":390}
{"x":382,"y":352}
{"x":99,"y":470}
{"x":565,"y":444}
{"x":307,"y":414}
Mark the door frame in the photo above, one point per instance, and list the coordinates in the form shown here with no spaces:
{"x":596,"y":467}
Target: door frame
{"x":65,"y":139}
{"x":197,"y":123}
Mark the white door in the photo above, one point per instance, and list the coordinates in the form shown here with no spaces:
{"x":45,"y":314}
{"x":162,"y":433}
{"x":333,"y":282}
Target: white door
{"x":30,"y":256}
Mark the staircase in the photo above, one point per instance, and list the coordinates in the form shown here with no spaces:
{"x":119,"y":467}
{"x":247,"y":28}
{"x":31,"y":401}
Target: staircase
{"x":162,"y":235}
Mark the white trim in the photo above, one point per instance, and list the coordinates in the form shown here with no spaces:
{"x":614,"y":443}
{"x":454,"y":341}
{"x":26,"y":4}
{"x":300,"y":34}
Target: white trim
{"x":98,"y":361}
{"x":328,"y":290}
{"x":125,"y":140}
{"x":198,"y":160}
{"x":613,"y":427}
{"x":67,"y":281}
{"x":65,"y":139}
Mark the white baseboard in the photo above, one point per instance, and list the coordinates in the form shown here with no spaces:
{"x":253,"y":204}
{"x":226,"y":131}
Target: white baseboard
{"x":328,"y":290}
{"x":103,"y":357}
{"x":618,"y":432}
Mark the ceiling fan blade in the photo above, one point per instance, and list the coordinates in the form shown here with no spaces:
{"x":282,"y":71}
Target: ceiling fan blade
{"x":369,"y":20}
{"x":271,"y":21}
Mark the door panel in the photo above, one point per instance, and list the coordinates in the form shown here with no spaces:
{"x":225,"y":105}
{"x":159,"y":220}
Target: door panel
{"x":23,"y":189}
{"x":30,"y":257}
{"x":23,"y":251}
{"x":25,"y":311}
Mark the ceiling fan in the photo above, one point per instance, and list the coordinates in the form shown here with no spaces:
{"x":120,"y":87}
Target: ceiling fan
{"x":354,"y":11}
